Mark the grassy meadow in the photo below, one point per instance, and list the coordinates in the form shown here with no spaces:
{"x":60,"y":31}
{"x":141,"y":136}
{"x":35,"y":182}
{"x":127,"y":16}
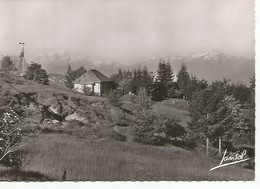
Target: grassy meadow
{"x":173,"y":108}
{"x":106,"y":159}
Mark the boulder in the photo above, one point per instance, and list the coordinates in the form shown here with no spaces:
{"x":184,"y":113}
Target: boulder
{"x":76,"y":116}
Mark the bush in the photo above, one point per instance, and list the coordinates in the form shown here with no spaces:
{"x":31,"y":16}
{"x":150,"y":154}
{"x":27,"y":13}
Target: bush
{"x":36,"y":73}
{"x":170,"y":127}
{"x":156,"y":130}
{"x":114,"y":98}
{"x":150,"y":128}
{"x":190,"y":140}
{"x":7,"y":64}
{"x":10,"y":138}
{"x":145,"y":128}
{"x":173,"y":93}
{"x":88,"y":91}
{"x":118,"y":117}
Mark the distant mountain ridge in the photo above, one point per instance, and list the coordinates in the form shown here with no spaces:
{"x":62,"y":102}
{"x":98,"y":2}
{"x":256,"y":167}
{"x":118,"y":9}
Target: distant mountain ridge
{"x":58,"y":62}
{"x":210,"y":65}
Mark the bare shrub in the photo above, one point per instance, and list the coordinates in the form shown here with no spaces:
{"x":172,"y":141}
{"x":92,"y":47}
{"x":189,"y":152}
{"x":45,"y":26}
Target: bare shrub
{"x":10,"y":138}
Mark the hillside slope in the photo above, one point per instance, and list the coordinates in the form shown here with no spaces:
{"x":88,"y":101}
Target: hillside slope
{"x":79,"y":138}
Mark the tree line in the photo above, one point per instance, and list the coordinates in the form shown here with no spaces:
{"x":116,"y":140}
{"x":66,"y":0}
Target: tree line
{"x":161,"y":85}
{"x":220,"y":109}
{"x":223,"y":110}
{"x":34,"y":72}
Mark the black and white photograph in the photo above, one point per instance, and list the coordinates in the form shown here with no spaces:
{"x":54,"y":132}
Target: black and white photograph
{"x":127,"y":90}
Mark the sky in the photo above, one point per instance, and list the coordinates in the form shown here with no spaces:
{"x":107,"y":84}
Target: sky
{"x":127,"y":30}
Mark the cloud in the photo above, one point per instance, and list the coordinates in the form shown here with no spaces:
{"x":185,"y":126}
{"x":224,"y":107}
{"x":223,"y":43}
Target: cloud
{"x":125,"y":30}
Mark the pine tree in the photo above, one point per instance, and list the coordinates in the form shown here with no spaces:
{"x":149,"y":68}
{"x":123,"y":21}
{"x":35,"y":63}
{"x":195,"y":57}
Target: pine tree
{"x":36,"y":73}
{"x":117,"y":77}
{"x":158,"y":91}
{"x":183,"y":80}
{"x":78,"y":72}
{"x":69,"y":78}
{"x":146,"y":80}
{"x":164,"y":72}
{"x":228,"y":122}
{"x":72,"y":75}
{"x":252,"y":91}
{"x":125,"y":85}
{"x":214,"y":113}
{"x":135,"y":85}
{"x":120,"y":74}
{"x":7,"y":64}
{"x":164,"y":79}
{"x":192,"y":86}
{"x":168,"y":74}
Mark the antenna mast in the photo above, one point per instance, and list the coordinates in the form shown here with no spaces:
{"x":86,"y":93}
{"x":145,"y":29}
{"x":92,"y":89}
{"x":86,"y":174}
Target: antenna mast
{"x":22,"y":61}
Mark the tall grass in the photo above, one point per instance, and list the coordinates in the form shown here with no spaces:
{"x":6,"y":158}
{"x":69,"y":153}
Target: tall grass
{"x":106,"y":159}
{"x":171,"y":111}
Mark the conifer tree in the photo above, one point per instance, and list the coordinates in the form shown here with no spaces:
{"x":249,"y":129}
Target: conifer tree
{"x":135,"y":82}
{"x":158,"y":91}
{"x":183,"y":80}
{"x":146,"y":80}
{"x":7,"y":64}
{"x":168,"y":74}
{"x":163,"y":81}
{"x":164,"y":72}
{"x":36,"y":73}
{"x":252,"y":91}
{"x":68,"y":78}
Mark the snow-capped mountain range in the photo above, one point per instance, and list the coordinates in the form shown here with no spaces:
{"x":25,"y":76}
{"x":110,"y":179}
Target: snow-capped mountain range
{"x":58,"y":62}
{"x":210,"y":65}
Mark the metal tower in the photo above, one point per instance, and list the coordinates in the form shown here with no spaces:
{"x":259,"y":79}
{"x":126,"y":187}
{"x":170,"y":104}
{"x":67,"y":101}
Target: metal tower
{"x":22,"y":61}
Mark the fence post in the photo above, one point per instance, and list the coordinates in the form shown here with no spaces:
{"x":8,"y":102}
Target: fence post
{"x":64,"y":176}
{"x":207,"y":146}
{"x":219,"y":147}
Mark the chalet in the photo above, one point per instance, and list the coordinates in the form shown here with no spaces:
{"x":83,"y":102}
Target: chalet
{"x":97,"y":82}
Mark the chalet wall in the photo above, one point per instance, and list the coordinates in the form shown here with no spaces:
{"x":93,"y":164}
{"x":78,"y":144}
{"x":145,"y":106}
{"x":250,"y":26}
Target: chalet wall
{"x":79,"y":88}
{"x":97,"y":88}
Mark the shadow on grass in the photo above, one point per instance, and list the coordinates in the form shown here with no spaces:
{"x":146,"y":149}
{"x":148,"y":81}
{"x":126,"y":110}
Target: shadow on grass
{"x":20,"y":175}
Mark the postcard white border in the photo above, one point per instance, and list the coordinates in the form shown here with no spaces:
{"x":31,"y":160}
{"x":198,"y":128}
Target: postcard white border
{"x":171,"y":184}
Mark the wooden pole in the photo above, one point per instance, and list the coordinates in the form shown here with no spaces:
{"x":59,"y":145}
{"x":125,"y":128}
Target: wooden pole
{"x":207,"y":146}
{"x":219,"y":147}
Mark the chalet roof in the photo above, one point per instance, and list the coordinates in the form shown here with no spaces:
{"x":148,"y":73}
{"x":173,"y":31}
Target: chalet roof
{"x":92,"y":76}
